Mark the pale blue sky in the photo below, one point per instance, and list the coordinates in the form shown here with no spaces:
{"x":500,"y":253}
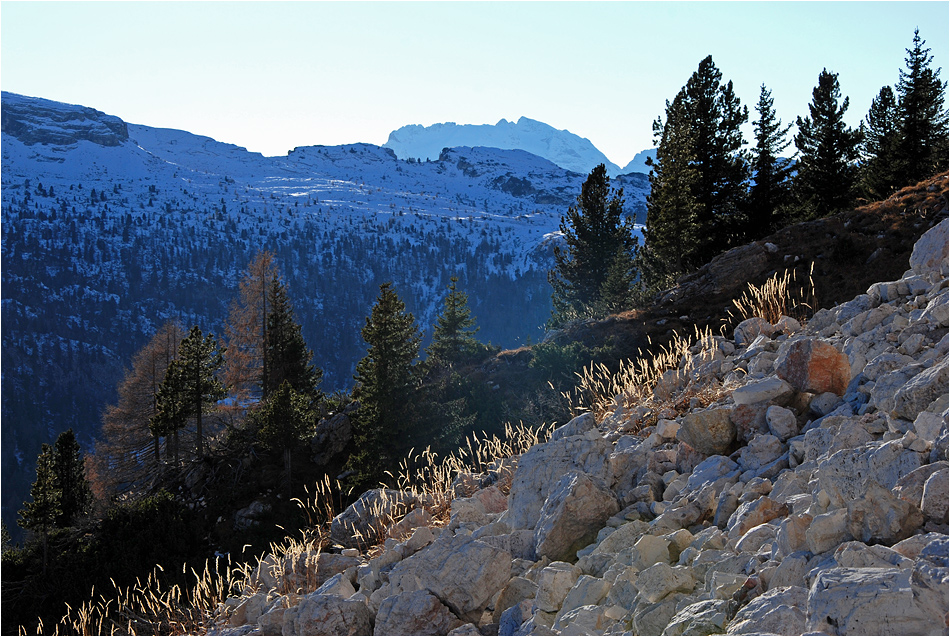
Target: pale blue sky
{"x":272,"y":76}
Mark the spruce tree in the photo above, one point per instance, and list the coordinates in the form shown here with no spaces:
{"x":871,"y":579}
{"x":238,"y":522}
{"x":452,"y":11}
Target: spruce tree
{"x":41,"y":514}
{"x":770,"y":189}
{"x":696,"y":208}
{"x":597,"y":239}
{"x":284,"y":419}
{"x":386,"y":387}
{"x":287,"y":353}
{"x":879,"y":172}
{"x":672,"y":230}
{"x":453,"y":339}
{"x":923,"y":145}
{"x":70,"y":469}
{"x":190,"y":385}
{"x":828,"y":148}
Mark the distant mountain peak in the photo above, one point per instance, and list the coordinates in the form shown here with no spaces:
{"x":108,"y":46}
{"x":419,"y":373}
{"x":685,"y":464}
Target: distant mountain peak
{"x":562,"y":147}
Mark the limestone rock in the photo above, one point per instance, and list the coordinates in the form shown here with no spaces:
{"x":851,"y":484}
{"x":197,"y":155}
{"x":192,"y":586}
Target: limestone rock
{"x":463,"y":572}
{"x":514,"y":592}
{"x":710,"y":431}
{"x":414,"y":613}
{"x":880,"y":516}
{"x":329,"y":615}
{"x":827,"y":531}
{"x":934,"y":499}
{"x":746,"y":331}
{"x":749,"y":420}
{"x":914,"y":397}
{"x":778,"y":611}
{"x":573,"y":513}
{"x":868,"y":601}
{"x":554,"y":582}
{"x":661,"y":579}
{"x":368,"y":517}
{"x":579,"y":425}
{"x":782,"y":422}
{"x":815,"y":366}
{"x":753,"y":514}
{"x":540,"y":469}
{"x":930,"y":251}
{"x":701,"y":618}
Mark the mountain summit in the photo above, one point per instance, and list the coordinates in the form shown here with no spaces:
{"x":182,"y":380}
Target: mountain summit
{"x":561,"y":147}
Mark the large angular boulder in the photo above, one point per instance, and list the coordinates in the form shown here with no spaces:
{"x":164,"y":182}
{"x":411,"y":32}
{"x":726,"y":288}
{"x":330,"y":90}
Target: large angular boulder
{"x":328,"y":615}
{"x":709,"y":431}
{"x":879,"y":516}
{"x":815,"y":366}
{"x":541,"y":467}
{"x":778,"y":611}
{"x":414,"y":613}
{"x":573,"y":513}
{"x":869,"y":601}
{"x":930,"y":251}
{"x":462,"y":572}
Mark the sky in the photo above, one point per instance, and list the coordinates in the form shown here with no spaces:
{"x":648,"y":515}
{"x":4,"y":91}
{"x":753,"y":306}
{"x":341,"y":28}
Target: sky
{"x":272,"y":76}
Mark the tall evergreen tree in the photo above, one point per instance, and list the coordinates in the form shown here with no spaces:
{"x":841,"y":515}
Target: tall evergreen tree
{"x":672,"y":230}
{"x":828,"y":148}
{"x":770,"y":188}
{"x":453,"y":340}
{"x":598,"y":238}
{"x":880,"y":172}
{"x":386,"y":384}
{"x":699,"y":149}
{"x":70,"y":469}
{"x":41,"y":514}
{"x":284,"y":419}
{"x":287,"y":353}
{"x":923,"y":146}
{"x":190,"y":385}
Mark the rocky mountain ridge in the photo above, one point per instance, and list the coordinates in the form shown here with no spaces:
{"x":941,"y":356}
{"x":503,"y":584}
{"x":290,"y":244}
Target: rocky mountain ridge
{"x":789,"y":479}
{"x":561,"y":147}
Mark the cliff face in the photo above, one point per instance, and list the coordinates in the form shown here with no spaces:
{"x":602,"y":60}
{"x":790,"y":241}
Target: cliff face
{"x":37,"y":121}
{"x":786,"y":480}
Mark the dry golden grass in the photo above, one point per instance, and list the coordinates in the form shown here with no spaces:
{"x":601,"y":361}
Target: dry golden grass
{"x":781,"y":295}
{"x":153,"y":608}
{"x":634,"y":386}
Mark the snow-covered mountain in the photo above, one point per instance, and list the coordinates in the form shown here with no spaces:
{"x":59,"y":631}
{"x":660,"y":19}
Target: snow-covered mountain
{"x":109,"y":229}
{"x":639,"y":162}
{"x":567,"y":150}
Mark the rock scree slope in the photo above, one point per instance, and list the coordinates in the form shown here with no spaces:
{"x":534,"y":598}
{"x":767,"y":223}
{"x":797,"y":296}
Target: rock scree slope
{"x":810,"y":497}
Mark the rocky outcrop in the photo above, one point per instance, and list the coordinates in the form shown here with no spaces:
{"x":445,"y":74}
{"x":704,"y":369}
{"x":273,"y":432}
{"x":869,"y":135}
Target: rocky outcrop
{"x":810,"y":497}
{"x":37,"y":121}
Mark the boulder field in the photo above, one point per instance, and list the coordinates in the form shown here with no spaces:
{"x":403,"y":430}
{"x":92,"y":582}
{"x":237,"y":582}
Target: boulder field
{"x":810,"y":496}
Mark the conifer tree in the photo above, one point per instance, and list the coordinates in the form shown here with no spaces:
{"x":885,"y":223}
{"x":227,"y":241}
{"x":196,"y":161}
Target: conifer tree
{"x":672,"y":230}
{"x":190,"y":385}
{"x":284,"y":419}
{"x":245,"y":332}
{"x":699,"y":150}
{"x":597,"y":238}
{"x":827,"y":148}
{"x":453,"y":340}
{"x":923,"y":145}
{"x":41,"y":514}
{"x":386,"y":384}
{"x":880,"y":172}
{"x":770,"y":189}
{"x":287,"y":353}
{"x":71,"y":484}
{"x":120,"y":456}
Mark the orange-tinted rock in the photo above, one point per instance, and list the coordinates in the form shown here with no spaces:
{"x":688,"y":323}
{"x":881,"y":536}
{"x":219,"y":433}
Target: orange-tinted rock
{"x":812,"y":365}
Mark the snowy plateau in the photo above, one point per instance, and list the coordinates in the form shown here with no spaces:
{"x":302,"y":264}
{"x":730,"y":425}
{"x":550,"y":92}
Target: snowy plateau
{"x":109,"y":229}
